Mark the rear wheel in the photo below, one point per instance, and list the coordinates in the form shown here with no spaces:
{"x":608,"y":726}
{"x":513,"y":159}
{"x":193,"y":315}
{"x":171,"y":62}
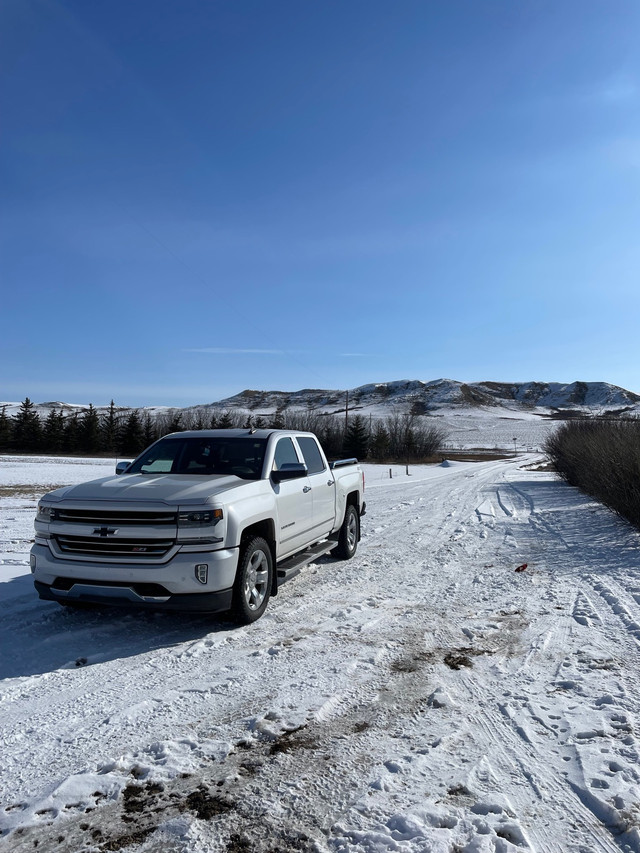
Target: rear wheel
{"x":349,"y":534}
{"x":252,"y":588}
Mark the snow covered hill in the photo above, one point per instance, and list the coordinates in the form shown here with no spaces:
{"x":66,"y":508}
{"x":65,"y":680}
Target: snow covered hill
{"x":470,"y":681}
{"x":383,"y":398}
{"x":427,"y":397}
{"x":487,"y":415}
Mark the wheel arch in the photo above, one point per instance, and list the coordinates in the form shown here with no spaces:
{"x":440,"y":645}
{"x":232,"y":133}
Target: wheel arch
{"x":353,"y":499}
{"x":266,"y":529}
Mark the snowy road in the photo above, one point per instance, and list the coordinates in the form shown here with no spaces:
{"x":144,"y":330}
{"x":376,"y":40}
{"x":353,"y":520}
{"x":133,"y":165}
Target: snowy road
{"x":424,"y":696}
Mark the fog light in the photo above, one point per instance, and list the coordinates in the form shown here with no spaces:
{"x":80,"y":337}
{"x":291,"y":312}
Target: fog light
{"x":32,"y":562}
{"x":202,"y":570}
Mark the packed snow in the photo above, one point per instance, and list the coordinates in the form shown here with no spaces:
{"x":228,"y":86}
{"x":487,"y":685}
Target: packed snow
{"x":469,"y":681}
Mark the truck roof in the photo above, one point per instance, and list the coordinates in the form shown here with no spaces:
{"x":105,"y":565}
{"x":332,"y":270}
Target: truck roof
{"x":245,"y":432}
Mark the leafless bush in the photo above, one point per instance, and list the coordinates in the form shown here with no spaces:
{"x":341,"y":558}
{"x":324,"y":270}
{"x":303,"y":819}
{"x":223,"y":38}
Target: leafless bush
{"x":413,"y":437}
{"x":328,"y":428}
{"x":601,"y":457}
{"x":399,"y":438}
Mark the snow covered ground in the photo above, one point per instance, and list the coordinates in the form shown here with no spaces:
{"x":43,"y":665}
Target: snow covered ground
{"x":479,"y":428}
{"x":428,"y":695}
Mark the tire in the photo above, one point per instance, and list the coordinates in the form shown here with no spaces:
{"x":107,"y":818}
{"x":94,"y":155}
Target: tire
{"x":349,"y":534}
{"x":252,"y":587}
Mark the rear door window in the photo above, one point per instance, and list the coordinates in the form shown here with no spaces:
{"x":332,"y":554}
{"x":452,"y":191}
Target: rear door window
{"x":311,"y":452}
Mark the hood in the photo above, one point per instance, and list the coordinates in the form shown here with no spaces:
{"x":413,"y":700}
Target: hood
{"x":166,"y":488}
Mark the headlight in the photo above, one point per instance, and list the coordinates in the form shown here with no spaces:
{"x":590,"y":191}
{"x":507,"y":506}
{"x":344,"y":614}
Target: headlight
{"x":45,"y":513}
{"x":199,"y":517}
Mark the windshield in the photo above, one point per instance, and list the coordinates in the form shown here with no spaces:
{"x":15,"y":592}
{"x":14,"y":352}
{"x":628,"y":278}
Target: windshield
{"x":194,"y":455}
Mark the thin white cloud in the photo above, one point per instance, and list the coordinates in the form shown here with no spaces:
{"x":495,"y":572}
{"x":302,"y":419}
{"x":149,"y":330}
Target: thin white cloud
{"x":618,"y":89}
{"x":354,"y":355}
{"x":625,"y":153}
{"x":234,"y":351}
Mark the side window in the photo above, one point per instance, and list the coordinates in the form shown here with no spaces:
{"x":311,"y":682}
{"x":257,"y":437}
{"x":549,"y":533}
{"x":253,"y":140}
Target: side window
{"x":285,"y":453}
{"x":312,"y":456}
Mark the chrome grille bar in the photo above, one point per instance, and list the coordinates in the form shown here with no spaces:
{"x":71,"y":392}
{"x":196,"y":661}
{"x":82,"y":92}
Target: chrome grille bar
{"x":114,"y":547}
{"x":107,"y":516}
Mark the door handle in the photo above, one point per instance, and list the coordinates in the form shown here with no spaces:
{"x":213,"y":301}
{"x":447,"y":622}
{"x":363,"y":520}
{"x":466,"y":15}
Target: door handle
{"x":306,"y":489}
{"x":330,"y":482}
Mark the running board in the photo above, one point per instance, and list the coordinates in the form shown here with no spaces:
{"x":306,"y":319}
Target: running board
{"x":290,"y":568}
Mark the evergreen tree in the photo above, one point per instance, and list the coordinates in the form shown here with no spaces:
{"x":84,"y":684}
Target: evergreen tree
{"x":5,"y":429}
{"x":109,"y":428}
{"x":71,"y":443}
{"x":149,"y":430}
{"x":379,"y":447}
{"x":90,"y":433}
{"x":279,"y":421}
{"x":27,"y":429}
{"x":331,"y":435}
{"x":132,"y":435}
{"x":356,"y":439}
{"x":213,"y":423}
{"x":226,"y":421}
{"x":175,"y":422}
{"x":53,"y":432}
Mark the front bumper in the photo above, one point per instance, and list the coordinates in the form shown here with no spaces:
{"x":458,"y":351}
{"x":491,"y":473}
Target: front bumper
{"x":168,"y":586}
{"x":117,"y":596}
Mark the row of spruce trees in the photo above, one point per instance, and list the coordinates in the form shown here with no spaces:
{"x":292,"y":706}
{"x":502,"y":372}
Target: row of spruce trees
{"x":126,"y":433}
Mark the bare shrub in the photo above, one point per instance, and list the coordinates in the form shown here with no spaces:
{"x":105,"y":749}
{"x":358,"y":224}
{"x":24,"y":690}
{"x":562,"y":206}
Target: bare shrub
{"x":413,"y":437}
{"x":601,"y":457}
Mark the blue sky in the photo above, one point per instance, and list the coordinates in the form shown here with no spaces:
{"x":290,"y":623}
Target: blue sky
{"x":202,"y":197}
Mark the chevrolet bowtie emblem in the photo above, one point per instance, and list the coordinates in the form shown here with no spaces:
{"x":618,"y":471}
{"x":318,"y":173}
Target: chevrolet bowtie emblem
{"x":104,"y":531}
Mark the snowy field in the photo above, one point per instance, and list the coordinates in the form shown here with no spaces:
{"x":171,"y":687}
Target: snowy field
{"x":479,"y":428}
{"x":425,"y":696}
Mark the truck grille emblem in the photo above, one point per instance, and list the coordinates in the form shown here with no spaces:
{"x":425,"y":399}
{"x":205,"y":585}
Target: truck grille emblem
{"x":105,"y":531}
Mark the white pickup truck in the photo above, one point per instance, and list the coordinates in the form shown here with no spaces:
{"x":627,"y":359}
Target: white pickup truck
{"x":208,"y":520}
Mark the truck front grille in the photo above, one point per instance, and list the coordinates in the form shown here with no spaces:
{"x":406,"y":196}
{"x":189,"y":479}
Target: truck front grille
{"x":130,"y":548}
{"x":113,"y":516}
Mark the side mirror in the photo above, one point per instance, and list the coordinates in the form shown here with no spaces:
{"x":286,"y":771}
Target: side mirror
{"x":289,"y":471}
{"x":121,"y":467}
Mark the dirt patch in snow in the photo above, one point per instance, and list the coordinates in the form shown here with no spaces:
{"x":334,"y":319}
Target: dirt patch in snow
{"x":291,"y":741}
{"x":412,"y":663}
{"x":457,"y":658}
{"x":205,"y":805}
{"x":123,"y":841}
{"x":25,"y":490}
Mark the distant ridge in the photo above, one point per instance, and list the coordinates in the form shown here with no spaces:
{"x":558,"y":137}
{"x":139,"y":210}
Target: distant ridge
{"x":413,"y":395}
{"x":425,"y":397}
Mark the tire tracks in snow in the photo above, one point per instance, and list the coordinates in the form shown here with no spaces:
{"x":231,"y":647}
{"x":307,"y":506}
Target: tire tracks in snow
{"x":421,"y":693}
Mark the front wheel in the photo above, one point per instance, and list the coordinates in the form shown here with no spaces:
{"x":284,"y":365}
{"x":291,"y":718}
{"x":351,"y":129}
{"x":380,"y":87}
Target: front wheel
{"x":252,"y":588}
{"x":349,"y":534}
